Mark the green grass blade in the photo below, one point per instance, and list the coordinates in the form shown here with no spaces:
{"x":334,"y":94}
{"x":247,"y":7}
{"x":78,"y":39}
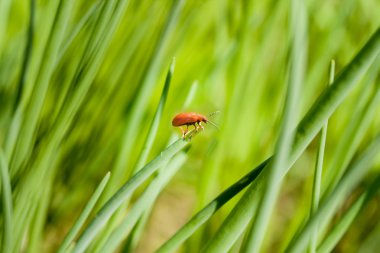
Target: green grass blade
{"x":84,"y":215}
{"x":312,"y":122}
{"x":137,"y":112}
{"x":337,"y":232}
{"x":148,"y":143}
{"x":206,"y":213}
{"x":7,"y":211}
{"x":33,"y":110}
{"x":144,"y":203}
{"x":190,"y":95}
{"x":318,"y":169}
{"x":284,"y":143}
{"x":87,"y":17}
{"x":124,"y":193}
{"x":135,"y":235}
{"x":361,"y":120}
{"x":60,"y":128}
{"x":156,"y":120}
{"x":354,"y":174}
{"x":27,"y":54}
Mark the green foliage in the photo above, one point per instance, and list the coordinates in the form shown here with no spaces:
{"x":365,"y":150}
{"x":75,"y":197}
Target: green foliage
{"x":85,"y":91}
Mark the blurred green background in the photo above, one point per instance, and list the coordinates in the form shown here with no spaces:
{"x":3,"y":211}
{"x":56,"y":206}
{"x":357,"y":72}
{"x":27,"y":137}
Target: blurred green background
{"x":233,"y":54}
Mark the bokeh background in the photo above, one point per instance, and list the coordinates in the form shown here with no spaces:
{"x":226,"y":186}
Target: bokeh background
{"x":231,"y":56}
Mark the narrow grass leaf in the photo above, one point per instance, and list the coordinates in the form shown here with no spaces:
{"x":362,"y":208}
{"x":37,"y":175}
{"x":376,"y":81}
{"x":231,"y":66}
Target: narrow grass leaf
{"x":148,"y":143}
{"x":27,"y":54}
{"x":318,"y":169}
{"x":7,"y":205}
{"x":354,"y":174}
{"x":361,"y":120}
{"x":87,"y":17}
{"x":33,"y":110}
{"x":283,"y":146}
{"x":133,"y":239}
{"x":84,"y":215}
{"x":341,"y":227}
{"x":124,"y":193}
{"x":206,"y":213}
{"x":134,"y":120}
{"x":144,"y":203}
{"x":156,"y":120}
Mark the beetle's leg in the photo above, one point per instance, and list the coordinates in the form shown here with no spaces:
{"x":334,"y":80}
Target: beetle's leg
{"x":184,"y":132}
{"x":200,"y":125}
{"x":195,"y":126}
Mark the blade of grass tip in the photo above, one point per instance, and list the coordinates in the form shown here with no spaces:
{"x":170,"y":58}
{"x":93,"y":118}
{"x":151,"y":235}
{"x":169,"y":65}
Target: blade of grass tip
{"x":137,"y":111}
{"x":191,"y":94}
{"x":309,"y":126}
{"x":6,"y":204}
{"x":361,"y":120}
{"x":27,"y":54}
{"x":84,"y":215}
{"x":156,"y":120}
{"x":352,"y":177}
{"x":136,"y":232}
{"x":33,"y":110}
{"x":206,"y":213}
{"x":144,"y":203}
{"x":125,"y":192}
{"x":333,"y":237}
{"x":273,"y":181}
{"x":318,"y":169}
{"x":148,"y":143}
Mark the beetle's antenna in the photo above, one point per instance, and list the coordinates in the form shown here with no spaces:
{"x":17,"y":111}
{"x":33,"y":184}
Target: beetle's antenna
{"x":212,"y":123}
{"x":214,"y":113}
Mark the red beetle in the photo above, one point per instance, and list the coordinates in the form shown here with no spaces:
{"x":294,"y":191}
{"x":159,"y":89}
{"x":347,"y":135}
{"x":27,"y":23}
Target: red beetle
{"x":190,"y":118}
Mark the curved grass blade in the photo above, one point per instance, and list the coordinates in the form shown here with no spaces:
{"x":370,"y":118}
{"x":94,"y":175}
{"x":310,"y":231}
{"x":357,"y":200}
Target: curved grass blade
{"x":318,"y":170}
{"x":27,"y":54}
{"x":138,"y":229}
{"x":284,"y":143}
{"x":206,"y":213}
{"x":87,"y":17}
{"x":361,"y":120}
{"x":137,"y":111}
{"x":148,"y":143}
{"x":84,"y":215}
{"x":156,"y":120}
{"x":333,"y":237}
{"x":22,"y":147}
{"x":125,"y":192}
{"x":144,"y":203}
{"x":354,"y":174}
{"x":23,"y":203}
{"x":7,"y":204}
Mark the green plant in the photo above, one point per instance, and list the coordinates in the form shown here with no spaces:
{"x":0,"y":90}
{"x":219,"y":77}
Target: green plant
{"x":85,"y":92}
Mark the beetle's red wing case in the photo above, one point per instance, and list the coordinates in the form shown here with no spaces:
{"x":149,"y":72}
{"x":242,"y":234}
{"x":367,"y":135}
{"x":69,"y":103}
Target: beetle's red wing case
{"x":185,"y":119}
